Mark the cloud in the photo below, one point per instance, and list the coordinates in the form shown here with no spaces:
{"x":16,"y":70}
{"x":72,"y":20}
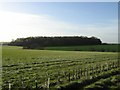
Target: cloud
{"x":16,"y":25}
{"x":21,"y":25}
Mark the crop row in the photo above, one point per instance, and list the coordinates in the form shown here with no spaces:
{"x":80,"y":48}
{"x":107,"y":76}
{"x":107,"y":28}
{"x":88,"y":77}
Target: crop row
{"x":107,"y":83}
{"x":54,"y":80}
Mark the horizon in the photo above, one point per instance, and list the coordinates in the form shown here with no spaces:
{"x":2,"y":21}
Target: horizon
{"x":25,"y":19}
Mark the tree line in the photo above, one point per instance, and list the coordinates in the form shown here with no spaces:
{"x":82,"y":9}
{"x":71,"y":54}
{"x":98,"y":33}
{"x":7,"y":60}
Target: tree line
{"x":38,"y":42}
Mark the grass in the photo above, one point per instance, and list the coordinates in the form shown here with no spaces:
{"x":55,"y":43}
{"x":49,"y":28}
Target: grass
{"x":25,"y":65}
{"x":101,"y":48}
{"x":107,"y":80}
{"x":108,"y":83}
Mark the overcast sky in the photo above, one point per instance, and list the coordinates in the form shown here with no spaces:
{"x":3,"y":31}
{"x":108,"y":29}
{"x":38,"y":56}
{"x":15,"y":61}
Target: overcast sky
{"x":24,"y":19}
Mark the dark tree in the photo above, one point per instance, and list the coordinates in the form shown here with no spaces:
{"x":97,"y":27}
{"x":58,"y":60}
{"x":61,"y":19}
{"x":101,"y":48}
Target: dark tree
{"x":38,"y":42}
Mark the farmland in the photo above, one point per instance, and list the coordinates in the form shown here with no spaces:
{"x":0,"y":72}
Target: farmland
{"x":26,"y":68}
{"x":100,"y":48}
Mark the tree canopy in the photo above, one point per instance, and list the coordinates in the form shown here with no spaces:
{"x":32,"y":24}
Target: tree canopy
{"x":37,"y":42}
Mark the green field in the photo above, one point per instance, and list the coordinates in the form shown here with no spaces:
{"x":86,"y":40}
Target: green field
{"x":100,"y":48}
{"x":25,"y":68}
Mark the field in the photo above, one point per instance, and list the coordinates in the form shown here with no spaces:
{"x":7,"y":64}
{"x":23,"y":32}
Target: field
{"x":63,"y":70}
{"x":100,"y":48}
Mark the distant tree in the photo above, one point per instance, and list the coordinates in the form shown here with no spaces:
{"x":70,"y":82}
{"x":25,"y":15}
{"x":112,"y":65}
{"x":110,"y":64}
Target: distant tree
{"x":36,"y":42}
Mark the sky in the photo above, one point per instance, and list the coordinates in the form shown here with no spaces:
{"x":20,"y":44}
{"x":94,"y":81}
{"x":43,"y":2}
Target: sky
{"x":24,"y":19}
